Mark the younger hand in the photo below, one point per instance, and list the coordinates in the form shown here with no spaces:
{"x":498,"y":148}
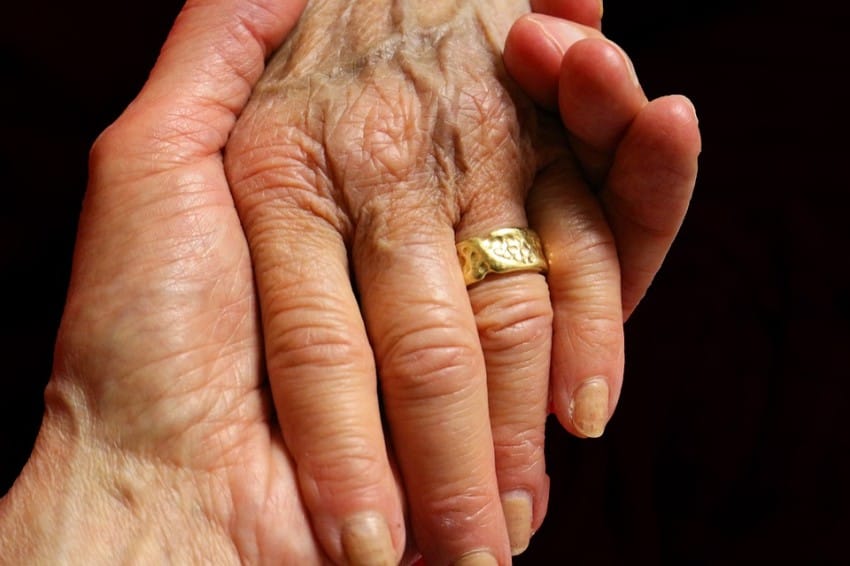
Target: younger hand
{"x":158,"y":445}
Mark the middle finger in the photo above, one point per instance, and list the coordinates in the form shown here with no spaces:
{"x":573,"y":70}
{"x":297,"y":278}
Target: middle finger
{"x":428,"y":346}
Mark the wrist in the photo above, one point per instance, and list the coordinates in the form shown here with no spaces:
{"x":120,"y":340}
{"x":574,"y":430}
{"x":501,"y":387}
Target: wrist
{"x":80,"y":500}
{"x":369,"y":28}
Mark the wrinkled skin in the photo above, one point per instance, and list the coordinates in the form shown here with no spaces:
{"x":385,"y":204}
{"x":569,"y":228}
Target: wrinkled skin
{"x":159,"y":443}
{"x":382,"y":133}
{"x":378,"y":133}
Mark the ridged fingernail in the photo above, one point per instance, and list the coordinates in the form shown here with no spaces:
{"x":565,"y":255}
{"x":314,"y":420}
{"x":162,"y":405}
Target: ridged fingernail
{"x":692,"y":108}
{"x":630,"y":67}
{"x":589,"y":407}
{"x":517,"y":508}
{"x":476,"y":559}
{"x":563,"y":38}
{"x":366,"y":541}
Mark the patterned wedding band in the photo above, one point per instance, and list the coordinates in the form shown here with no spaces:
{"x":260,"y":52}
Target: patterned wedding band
{"x":501,"y":251}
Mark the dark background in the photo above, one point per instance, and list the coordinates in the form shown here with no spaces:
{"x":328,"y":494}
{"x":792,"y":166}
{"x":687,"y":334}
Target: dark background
{"x":730,"y":444}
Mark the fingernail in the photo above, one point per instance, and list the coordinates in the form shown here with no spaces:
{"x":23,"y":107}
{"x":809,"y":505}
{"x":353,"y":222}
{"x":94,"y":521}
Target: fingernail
{"x":630,"y":67}
{"x":560,"y":34}
{"x":477,"y":559}
{"x":366,"y":541}
{"x":589,"y":407}
{"x":691,"y":107}
{"x":517,"y":508}
{"x":601,"y":9}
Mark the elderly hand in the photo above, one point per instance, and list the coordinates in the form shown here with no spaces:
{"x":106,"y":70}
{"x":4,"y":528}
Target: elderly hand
{"x":382,"y":134}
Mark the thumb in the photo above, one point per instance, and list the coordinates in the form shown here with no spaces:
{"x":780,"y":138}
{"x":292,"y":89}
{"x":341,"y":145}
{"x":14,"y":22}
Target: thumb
{"x":214,"y":54}
{"x":157,"y":192}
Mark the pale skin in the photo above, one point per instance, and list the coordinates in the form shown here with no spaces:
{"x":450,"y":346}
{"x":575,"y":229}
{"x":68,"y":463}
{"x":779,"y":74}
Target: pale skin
{"x":160,"y":444}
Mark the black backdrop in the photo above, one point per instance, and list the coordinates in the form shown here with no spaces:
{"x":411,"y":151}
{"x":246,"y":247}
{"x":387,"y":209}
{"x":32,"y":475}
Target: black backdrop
{"x":730,"y":443}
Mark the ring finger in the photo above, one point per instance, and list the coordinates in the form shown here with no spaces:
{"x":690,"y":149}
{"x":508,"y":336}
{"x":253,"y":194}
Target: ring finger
{"x":513,"y":315}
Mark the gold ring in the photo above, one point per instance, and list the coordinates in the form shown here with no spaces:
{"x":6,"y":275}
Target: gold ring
{"x":501,"y":251}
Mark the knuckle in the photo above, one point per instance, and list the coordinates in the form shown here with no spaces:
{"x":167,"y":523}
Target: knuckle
{"x":589,"y":269}
{"x":282,"y":180}
{"x":594,"y":329}
{"x":120,"y":153}
{"x":138,"y":145}
{"x":589,"y":247}
{"x":457,"y":508}
{"x":518,"y":450}
{"x":253,"y":152}
{"x":307,"y":333}
{"x":383,"y":237}
{"x":105,"y":145}
{"x":432,"y":361}
{"x":509,"y":321}
{"x":344,"y":463}
{"x":311,"y":348}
